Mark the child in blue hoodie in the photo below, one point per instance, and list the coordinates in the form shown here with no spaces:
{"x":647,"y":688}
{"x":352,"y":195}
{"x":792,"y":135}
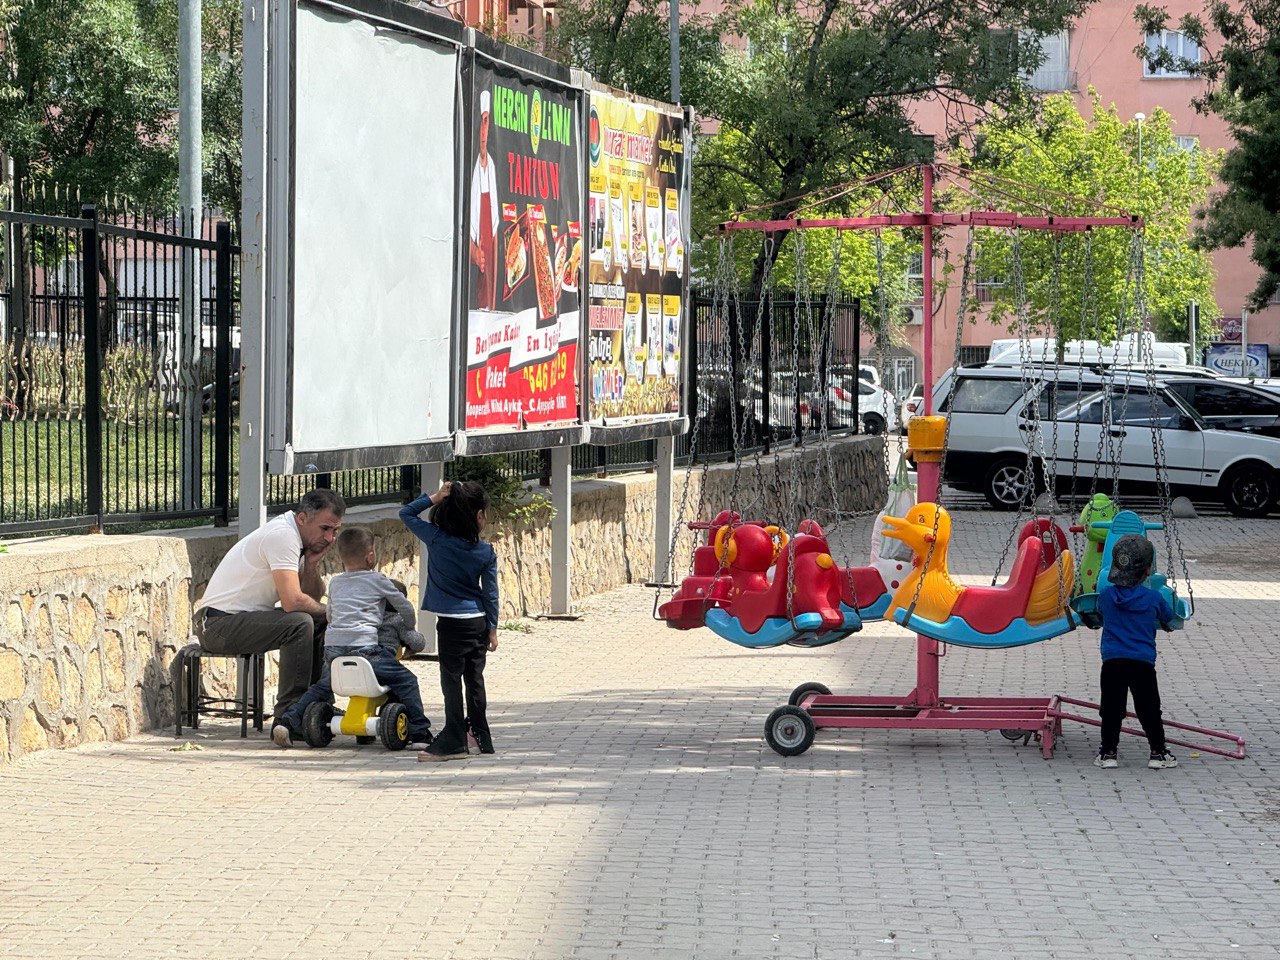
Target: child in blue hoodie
{"x":1131,"y":611}
{"x":462,"y":591}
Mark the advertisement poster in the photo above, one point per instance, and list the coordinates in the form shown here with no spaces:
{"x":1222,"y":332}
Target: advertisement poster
{"x":524,"y":221}
{"x":1226,"y":358}
{"x":637,"y":263}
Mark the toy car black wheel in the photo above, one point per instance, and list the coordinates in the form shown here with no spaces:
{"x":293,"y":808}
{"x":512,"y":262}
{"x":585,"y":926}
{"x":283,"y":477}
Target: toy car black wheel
{"x":393,"y":726}
{"x":789,"y":731}
{"x":315,"y":725}
{"x":1013,"y":736}
{"x":365,"y":741}
{"x":802,"y":691}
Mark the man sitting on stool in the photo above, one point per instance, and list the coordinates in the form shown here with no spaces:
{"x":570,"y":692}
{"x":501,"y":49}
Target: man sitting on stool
{"x":279,"y":562}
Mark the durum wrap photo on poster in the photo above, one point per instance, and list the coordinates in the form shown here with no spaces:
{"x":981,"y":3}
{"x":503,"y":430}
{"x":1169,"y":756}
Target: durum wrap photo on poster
{"x":524,"y":251}
{"x":638,"y":258}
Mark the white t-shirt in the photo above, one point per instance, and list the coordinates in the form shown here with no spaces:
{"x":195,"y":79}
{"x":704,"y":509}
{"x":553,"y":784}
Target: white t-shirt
{"x":243,"y":580}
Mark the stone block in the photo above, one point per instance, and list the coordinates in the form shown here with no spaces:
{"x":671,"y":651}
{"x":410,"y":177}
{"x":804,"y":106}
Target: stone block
{"x":4,"y":739}
{"x":119,"y":723}
{"x":52,"y":688}
{"x":94,"y":731}
{"x":13,"y":622}
{"x":70,"y":733}
{"x":93,"y":678}
{"x":113,"y":657}
{"x":72,"y":682}
{"x":60,"y":613}
{"x":117,"y":603}
{"x":84,"y":622}
{"x":32,"y":736}
{"x":12,"y":676}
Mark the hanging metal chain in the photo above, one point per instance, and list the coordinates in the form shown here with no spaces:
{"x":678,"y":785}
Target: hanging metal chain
{"x":1022,"y":326}
{"x":745,"y":368}
{"x":962,"y":314}
{"x":1158,"y":452}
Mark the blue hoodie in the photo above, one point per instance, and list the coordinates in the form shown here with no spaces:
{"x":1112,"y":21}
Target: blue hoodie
{"x":1130,"y":616}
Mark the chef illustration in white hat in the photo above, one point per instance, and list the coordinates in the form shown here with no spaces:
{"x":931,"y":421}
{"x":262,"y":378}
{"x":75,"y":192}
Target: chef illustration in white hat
{"x":484,"y":215}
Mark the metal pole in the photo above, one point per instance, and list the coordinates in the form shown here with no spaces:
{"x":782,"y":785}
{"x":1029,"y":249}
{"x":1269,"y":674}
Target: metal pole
{"x":1244,"y":342}
{"x":190,"y":170}
{"x":222,"y":379}
{"x":674,"y":17}
{"x":253,"y":186}
{"x":92,"y":364}
{"x":1193,"y":314}
{"x":561,"y":529}
{"x":432,"y":480}
{"x":927,"y":685}
{"x":665,"y":461}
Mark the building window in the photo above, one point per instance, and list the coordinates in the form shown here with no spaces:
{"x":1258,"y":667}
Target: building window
{"x":915,"y":276}
{"x":1182,"y":48}
{"x":1189,"y":144}
{"x":1054,"y":73}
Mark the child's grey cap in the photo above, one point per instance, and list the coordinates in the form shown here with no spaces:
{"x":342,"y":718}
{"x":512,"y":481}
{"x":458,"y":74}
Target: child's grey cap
{"x":1131,"y":557}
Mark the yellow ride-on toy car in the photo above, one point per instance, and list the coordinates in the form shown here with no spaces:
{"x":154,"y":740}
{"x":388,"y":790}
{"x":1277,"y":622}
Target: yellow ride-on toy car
{"x":369,"y":715}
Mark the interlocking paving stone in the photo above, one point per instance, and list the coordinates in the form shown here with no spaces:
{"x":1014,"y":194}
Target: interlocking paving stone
{"x":633,"y":809}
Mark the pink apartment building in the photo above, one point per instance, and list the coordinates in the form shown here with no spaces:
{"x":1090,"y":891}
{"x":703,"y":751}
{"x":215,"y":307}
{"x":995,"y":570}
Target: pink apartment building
{"x":1097,"y":51}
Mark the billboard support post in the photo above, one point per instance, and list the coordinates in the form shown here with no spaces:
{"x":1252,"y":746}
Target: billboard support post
{"x":665,"y":456}
{"x":561,"y":529}
{"x":253,"y":189}
{"x":432,"y":480}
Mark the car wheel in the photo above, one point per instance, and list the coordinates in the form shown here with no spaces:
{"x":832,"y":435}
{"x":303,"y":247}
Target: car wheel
{"x":1249,"y":490}
{"x":1007,"y":485}
{"x":873,"y":424}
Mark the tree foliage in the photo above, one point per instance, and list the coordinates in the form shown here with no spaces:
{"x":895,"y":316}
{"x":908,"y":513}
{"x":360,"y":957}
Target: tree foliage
{"x":1242,"y":74}
{"x":89,"y":96}
{"x":1062,"y":154}
{"x":86,"y":98}
{"x":812,"y":94}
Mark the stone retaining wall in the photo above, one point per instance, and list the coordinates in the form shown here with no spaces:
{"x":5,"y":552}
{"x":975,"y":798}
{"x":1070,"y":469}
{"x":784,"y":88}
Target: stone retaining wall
{"x":91,"y":624}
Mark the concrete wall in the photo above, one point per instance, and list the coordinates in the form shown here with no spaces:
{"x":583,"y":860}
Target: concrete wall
{"x":91,"y":624}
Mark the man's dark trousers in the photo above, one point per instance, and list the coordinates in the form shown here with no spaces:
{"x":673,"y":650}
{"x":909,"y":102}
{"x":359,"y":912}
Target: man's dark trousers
{"x":296,"y":635}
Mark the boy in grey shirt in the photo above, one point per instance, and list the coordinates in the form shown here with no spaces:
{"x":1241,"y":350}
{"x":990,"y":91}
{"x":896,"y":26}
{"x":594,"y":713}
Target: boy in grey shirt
{"x":371,"y":618}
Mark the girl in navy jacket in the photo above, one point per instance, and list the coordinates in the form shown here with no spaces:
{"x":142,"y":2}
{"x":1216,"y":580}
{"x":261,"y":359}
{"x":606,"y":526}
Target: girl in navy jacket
{"x":462,"y":591}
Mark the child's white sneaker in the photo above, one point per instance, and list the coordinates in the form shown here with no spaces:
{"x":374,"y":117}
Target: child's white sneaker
{"x":1162,"y":761}
{"x":1107,"y":761}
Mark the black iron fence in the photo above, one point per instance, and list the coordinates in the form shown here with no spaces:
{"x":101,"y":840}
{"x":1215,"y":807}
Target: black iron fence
{"x":119,"y":396}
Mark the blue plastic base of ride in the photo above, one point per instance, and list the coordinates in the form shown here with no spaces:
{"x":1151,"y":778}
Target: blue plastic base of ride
{"x":803,"y":631}
{"x":876,"y":611}
{"x":955,"y":631}
{"x":1086,"y":605}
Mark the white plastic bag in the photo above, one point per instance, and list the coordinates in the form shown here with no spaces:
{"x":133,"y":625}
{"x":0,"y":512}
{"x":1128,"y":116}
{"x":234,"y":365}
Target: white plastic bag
{"x":902,"y":497}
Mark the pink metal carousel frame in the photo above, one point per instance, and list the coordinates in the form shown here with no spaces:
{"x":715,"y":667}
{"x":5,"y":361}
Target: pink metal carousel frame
{"x":924,"y":708}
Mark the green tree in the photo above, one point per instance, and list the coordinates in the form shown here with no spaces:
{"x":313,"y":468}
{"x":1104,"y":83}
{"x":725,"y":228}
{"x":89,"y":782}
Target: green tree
{"x":86,"y":98}
{"x":1243,"y":88}
{"x":1062,"y":154}
{"x":818,"y":94}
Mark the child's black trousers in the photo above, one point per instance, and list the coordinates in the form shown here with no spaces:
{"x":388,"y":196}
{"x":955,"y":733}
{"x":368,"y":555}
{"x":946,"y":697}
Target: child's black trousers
{"x":1121,"y":677}
{"x":463,"y":645}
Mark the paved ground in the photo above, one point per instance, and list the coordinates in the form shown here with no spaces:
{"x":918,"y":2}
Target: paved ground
{"x":634,"y":811}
